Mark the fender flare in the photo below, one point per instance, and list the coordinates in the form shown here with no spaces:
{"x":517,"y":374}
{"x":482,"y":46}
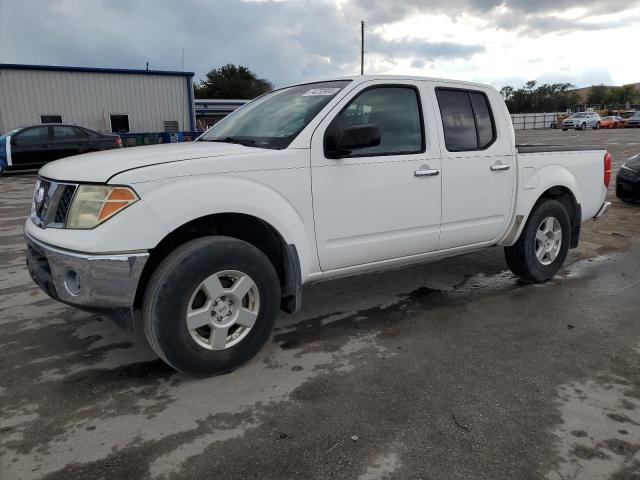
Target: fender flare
{"x":180,"y":202}
{"x":547,"y":178}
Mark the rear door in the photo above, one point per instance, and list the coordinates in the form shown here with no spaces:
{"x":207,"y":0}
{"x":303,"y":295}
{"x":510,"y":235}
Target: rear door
{"x":380,"y":202}
{"x":66,"y":142}
{"x":478,"y":168}
{"x":30,"y":147}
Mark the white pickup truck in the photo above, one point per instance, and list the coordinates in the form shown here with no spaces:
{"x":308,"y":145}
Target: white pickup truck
{"x":202,"y":243}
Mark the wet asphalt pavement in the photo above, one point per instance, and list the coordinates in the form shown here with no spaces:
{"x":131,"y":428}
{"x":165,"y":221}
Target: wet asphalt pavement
{"x":450,"y":370}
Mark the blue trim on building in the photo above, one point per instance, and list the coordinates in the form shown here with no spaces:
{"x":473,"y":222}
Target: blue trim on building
{"x":192,"y":117}
{"x":60,"y":68}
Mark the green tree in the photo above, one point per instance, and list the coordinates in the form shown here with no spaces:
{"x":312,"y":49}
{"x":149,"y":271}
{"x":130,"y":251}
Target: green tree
{"x":621,"y":95}
{"x":534,"y":98}
{"x":232,"y":81}
{"x":597,"y":95}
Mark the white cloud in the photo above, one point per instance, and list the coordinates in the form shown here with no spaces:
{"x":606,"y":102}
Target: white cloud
{"x":289,"y":41}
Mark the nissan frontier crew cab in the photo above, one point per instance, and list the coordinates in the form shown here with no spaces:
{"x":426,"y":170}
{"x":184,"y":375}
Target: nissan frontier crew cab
{"x":202,"y":243}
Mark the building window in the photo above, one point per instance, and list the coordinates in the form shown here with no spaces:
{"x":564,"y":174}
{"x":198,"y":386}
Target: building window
{"x":119,"y":123}
{"x":50,"y":118}
{"x":171,"y":126}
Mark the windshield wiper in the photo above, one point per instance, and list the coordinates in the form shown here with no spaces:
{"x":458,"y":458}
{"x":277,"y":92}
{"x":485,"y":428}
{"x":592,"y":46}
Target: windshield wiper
{"x":247,"y":142}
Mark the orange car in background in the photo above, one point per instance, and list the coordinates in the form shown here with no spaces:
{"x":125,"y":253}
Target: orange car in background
{"x":612,"y":122}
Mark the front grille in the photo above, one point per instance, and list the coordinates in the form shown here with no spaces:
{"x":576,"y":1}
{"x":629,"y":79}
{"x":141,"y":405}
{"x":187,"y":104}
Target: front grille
{"x":64,"y":204}
{"x":51,"y":203}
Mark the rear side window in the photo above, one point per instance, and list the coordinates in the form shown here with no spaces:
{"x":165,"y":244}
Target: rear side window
{"x":396,"y":110}
{"x":466,"y":119}
{"x":64,"y":133}
{"x":80,"y":132}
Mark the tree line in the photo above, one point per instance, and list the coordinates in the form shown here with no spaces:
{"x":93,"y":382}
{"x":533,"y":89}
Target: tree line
{"x":558,"y":97}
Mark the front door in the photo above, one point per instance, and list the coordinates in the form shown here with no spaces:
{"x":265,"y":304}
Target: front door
{"x":478,"y":170}
{"x":380,"y":202}
{"x":30,"y":148}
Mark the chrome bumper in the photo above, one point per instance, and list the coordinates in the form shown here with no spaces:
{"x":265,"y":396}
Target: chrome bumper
{"x":603,"y":210}
{"x":85,"y":280}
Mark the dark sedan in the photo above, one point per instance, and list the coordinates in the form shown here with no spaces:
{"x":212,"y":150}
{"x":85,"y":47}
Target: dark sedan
{"x":33,"y":146}
{"x":628,"y":180}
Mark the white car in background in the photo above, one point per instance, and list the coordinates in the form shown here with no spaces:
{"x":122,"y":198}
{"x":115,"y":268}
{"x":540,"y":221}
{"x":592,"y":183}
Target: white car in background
{"x":582,"y":121}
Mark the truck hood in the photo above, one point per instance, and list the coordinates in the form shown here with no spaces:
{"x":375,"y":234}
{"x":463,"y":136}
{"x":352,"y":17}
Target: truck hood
{"x":99,"y":167}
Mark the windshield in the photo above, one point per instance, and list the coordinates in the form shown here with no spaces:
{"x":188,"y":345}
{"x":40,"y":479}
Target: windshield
{"x":578,"y":115}
{"x":274,"y":120}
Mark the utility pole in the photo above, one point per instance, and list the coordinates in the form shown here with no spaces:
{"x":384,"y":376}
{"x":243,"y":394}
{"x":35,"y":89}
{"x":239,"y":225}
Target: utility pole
{"x":362,"y":25}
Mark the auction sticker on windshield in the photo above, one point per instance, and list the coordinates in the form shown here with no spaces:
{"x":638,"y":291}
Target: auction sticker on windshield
{"x":321,"y":92}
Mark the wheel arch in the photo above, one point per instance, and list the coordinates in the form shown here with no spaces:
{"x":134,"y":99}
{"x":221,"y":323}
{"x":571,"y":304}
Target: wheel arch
{"x":566,"y":192}
{"x":251,"y":229}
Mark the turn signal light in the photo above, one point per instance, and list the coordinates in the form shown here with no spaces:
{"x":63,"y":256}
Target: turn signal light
{"x":117,"y":200}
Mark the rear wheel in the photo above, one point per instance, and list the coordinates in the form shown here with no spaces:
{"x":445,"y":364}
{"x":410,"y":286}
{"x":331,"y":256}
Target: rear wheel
{"x":210,"y":305}
{"x":543,"y":244}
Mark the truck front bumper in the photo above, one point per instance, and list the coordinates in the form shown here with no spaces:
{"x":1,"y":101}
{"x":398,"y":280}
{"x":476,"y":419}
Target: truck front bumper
{"x":89,"y":281}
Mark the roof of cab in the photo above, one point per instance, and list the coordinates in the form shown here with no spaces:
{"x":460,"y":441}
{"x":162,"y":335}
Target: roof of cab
{"x":366,"y":78}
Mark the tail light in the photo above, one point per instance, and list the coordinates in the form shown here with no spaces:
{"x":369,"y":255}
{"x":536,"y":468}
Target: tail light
{"x":607,"y":169}
{"x":118,"y":141}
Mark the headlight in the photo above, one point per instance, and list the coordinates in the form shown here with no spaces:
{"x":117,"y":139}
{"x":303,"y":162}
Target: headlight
{"x":93,"y":204}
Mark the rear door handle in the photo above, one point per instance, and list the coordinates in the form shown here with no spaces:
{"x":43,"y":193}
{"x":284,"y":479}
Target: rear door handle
{"x":500,"y":166}
{"x":426,"y":173}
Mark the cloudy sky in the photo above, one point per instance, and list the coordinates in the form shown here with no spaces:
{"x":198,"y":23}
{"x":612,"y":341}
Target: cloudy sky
{"x":493,"y":41}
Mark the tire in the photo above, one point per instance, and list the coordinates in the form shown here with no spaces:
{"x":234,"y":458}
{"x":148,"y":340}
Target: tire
{"x":583,"y":126}
{"x":178,"y":285}
{"x":521,"y":257}
{"x":565,"y":129}
{"x":597,"y":126}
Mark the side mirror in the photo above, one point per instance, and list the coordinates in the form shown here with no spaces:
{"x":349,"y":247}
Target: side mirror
{"x":14,"y":141}
{"x":358,"y":136}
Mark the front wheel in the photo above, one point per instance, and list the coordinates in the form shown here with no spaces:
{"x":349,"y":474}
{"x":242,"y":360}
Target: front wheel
{"x":543,"y":244}
{"x":597,"y":126}
{"x":210,"y":305}
{"x":583,"y":126}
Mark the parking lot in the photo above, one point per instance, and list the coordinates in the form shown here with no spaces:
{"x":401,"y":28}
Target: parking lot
{"x":450,"y":370}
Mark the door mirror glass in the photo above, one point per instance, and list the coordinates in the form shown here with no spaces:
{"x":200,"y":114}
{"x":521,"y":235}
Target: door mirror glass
{"x":358,"y":136}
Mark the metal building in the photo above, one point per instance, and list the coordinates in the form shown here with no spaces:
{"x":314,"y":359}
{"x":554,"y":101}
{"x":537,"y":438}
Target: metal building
{"x":102,"y":99}
{"x":211,"y":111}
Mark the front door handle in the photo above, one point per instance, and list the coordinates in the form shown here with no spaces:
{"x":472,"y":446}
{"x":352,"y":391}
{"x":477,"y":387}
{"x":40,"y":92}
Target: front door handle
{"x":499,"y":167}
{"x":426,"y":173}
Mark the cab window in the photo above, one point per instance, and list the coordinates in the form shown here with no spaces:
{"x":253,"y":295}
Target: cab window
{"x":395,"y":110}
